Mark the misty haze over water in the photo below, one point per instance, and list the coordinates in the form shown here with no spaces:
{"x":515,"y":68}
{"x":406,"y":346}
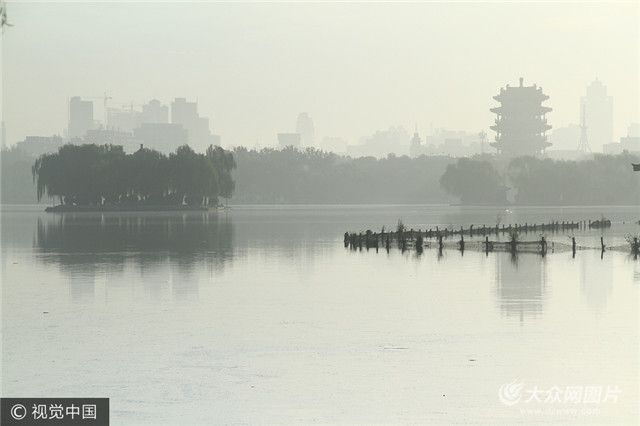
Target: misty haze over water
{"x":292,"y":212}
{"x":201,"y":317}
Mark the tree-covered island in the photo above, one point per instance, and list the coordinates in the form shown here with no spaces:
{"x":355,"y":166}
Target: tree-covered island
{"x":104,"y":177}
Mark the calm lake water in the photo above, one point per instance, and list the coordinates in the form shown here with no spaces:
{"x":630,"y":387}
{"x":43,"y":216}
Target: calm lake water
{"x":260,"y":315}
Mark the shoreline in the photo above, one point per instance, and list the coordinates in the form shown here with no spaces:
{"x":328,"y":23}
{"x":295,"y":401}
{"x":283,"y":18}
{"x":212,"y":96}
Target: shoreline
{"x":128,"y":208}
{"x":43,"y":206}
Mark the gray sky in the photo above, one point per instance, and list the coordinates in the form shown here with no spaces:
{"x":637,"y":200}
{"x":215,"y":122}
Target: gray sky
{"x":355,"y":67}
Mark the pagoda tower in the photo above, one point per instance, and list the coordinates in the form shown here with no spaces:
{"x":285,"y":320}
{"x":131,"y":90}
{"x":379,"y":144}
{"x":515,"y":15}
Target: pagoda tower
{"x":521,"y":123}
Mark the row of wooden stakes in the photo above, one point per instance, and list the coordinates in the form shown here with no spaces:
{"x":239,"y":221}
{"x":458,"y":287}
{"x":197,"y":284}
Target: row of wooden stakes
{"x":416,"y":239}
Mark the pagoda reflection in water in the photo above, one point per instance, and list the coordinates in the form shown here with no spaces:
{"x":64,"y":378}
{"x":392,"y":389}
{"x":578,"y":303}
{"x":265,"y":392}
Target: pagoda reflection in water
{"x":521,"y":285}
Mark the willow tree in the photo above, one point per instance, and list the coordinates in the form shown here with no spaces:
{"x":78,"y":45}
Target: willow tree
{"x":98,"y":174}
{"x":223,"y":164}
{"x":148,"y":176}
{"x":474,"y":181}
{"x":192,"y":177}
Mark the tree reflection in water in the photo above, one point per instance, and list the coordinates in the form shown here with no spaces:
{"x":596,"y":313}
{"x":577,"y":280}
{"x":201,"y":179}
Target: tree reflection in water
{"x":159,"y":245}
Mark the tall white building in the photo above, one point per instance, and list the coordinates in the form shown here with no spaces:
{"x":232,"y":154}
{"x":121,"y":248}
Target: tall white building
{"x":597,"y":108}
{"x":198,"y":132}
{"x":80,"y":117}
{"x":306,"y":129}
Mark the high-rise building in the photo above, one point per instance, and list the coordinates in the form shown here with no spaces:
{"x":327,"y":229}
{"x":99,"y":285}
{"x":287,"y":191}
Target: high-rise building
{"x":80,"y":117}
{"x":183,"y":111}
{"x":163,"y":137}
{"x":123,"y":120}
{"x":186,"y":113}
{"x":289,"y":139}
{"x":597,"y":109}
{"x":629,"y":143}
{"x":521,"y":124}
{"x":565,"y":137}
{"x":154,"y":112}
{"x":111,"y":137}
{"x":306,"y":130}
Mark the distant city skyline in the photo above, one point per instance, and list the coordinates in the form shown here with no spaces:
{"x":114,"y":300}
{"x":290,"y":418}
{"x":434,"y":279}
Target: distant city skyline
{"x":328,"y":64}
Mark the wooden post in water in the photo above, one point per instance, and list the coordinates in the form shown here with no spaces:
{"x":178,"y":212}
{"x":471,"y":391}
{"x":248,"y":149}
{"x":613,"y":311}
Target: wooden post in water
{"x":573,"y":246}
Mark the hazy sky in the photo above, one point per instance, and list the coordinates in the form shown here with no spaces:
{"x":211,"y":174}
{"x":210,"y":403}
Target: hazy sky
{"x":354,"y":67}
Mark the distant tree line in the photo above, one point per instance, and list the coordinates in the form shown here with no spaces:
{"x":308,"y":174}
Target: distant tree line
{"x":474,"y":182}
{"x":105,"y":174}
{"x":603,"y":180}
{"x":312,"y":176}
{"x":91,"y":174}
